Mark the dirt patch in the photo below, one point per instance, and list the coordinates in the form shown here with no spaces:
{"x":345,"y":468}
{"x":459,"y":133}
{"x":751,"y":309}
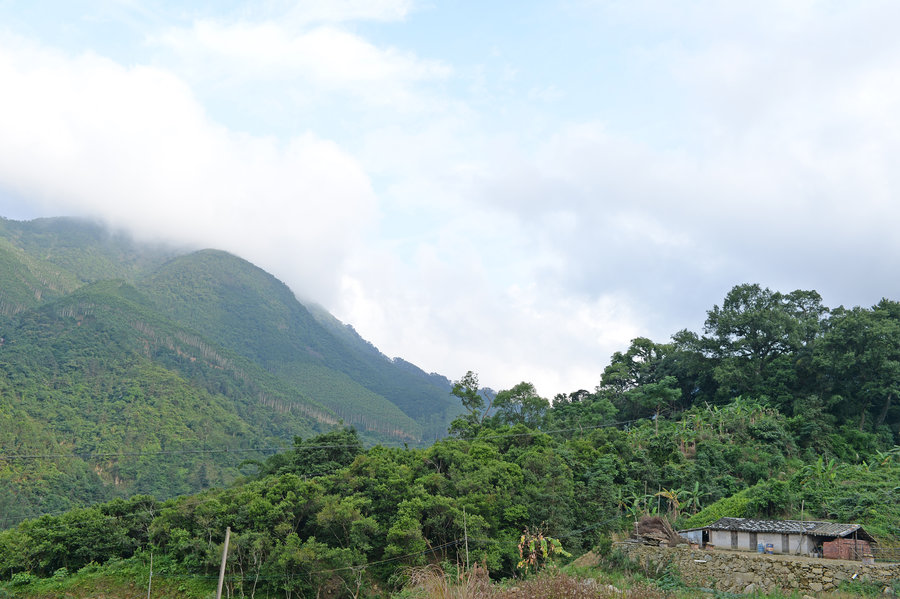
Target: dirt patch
{"x":588,"y":560}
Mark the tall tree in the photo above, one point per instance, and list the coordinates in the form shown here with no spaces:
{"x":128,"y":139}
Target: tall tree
{"x":638,"y":382}
{"x":758,"y":337}
{"x":473,"y":400}
{"x":860,"y":356}
{"x":521,"y":405}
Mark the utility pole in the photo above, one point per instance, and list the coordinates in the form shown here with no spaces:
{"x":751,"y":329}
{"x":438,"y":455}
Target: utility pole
{"x":150,"y":581}
{"x":466,"y":535}
{"x":222,"y":568}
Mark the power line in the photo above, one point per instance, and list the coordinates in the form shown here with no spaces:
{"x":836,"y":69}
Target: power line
{"x":128,"y":454}
{"x":237,"y":450}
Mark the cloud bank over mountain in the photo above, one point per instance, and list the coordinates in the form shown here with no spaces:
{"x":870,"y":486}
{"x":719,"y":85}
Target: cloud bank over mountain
{"x":514,"y":192}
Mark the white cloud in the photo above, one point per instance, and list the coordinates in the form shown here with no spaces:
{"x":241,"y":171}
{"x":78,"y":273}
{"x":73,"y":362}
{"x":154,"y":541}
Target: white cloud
{"x":316,"y":61}
{"x":336,"y":11}
{"x":729,"y":143}
{"x":452,"y":317}
{"x":132,"y":145}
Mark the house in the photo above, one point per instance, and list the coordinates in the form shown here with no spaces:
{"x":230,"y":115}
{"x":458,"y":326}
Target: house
{"x":798,"y":537}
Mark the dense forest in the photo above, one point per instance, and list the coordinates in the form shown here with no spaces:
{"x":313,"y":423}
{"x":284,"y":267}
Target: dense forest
{"x":128,"y":368}
{"x":779,"y":407}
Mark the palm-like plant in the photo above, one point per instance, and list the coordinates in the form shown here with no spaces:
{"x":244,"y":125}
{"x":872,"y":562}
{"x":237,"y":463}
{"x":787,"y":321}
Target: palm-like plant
{"x":691,"y":499}
{"x":672,"y":499}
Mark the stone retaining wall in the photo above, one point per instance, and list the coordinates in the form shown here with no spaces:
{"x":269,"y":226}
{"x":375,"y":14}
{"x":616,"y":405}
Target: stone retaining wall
{"x":746,"y":572}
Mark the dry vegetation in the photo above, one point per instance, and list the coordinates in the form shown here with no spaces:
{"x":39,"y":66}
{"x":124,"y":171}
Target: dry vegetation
{"x":432,"y":582}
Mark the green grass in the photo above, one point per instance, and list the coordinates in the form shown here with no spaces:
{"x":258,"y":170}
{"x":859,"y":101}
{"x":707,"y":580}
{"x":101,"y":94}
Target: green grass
{"x":122,"y":579}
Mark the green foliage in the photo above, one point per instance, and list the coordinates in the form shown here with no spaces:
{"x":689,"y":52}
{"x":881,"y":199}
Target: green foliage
{"x":470,"y":395}
{"x":184,"y":362}
{"x":244,"y":309}
{"x":323,"y":454}
{"x":754,"y":334}
{"x":735,"y":506}
{"x":537,"y":550}
{"x":782,"y":409}
{"x":520,"y":405}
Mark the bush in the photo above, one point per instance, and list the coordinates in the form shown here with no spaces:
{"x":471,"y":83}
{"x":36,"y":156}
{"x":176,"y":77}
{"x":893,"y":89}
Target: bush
{"x":735,"y":506}
{"x":22,"y":578}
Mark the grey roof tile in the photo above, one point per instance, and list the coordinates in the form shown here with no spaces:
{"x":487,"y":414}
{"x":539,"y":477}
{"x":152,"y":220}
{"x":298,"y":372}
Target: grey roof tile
{"x":814,"y":528}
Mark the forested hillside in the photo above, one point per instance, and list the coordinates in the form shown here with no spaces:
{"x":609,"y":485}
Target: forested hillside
{"x":779,"y":407}
{"x":133,"y":368}
{"x":245,"y":309}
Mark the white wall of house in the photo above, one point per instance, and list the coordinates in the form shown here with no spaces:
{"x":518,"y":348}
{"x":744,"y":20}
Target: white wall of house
{"x":796,"y":543}
{"x":721,"y":538}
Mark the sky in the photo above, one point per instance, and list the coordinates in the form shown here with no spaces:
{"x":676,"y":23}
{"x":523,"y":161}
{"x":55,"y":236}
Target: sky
{"x":513,"y":188}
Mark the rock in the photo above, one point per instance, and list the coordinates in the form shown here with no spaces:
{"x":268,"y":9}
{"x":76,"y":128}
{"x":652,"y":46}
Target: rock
{"x":750,"y":588}
{"x":816,"y":586}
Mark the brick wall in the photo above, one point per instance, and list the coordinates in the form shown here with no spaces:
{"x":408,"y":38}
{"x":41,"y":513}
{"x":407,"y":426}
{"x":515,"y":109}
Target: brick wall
{"x":846,"y":549}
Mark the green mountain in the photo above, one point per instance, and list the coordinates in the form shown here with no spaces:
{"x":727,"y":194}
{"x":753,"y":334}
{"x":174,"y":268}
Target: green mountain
{"x":129,"y":368}
{"x":245,"y":309}
{"x":781,"y":408}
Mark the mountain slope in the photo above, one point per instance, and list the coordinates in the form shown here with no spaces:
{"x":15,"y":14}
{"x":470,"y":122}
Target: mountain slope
{"x":127,"y":369}
{"x":96,"y":373}
{"x":85,"y":250}
{"x":243,"y":308}
{"x":236,"y":305}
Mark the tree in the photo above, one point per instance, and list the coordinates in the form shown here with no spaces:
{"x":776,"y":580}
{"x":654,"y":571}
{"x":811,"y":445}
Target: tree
{"x":692,"y":498}
{"x":536,"y":549}
{"x":521,"y":405}
{"x":318,"y":455}
{"x":637,"y":366}
{"x":758,"y":337}
{"x":643,"y":379}
{"x":468,"y":392}
{"x":655,"y":396}
{"x":860,"y":357}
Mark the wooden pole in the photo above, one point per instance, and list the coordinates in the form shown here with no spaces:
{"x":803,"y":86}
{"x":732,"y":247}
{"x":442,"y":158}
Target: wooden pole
{"x":222,"y":568}
{"x":466,"y":534}
{"x":802,"y":528}
{"x":150,"y":581}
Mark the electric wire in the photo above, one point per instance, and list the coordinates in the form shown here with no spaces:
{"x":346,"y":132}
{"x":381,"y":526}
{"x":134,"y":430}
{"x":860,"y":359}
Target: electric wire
{"x":274,"y":449}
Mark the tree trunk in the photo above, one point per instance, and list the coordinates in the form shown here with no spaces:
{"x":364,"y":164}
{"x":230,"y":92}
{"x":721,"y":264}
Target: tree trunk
{"x":884,"y":410}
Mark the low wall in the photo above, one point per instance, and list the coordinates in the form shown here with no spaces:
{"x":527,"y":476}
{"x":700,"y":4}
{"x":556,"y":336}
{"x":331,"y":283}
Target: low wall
{"x":746,"y":572}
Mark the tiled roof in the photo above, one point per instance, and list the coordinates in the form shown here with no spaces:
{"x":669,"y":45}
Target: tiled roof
{"x":831,"y":529}
{"x":818,"y":529}
{"x":750,"y":525}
